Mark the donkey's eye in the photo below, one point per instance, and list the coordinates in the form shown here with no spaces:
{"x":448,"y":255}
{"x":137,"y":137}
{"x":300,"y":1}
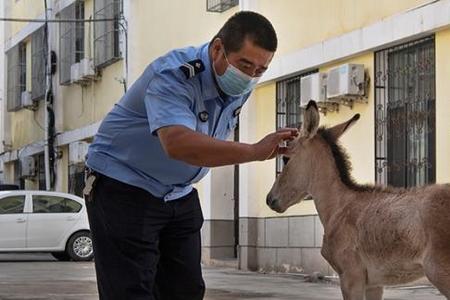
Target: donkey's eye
{"x":285,"y":160}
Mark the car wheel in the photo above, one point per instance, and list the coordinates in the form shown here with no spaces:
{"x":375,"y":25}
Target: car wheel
{"x":61,"y":256}
{"x":79,"y":247}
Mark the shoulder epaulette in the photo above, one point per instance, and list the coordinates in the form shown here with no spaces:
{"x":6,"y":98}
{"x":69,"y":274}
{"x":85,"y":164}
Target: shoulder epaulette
{"x":192,"y":68}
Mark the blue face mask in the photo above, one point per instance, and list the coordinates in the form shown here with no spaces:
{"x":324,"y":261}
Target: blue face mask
{"x":234,"y":82}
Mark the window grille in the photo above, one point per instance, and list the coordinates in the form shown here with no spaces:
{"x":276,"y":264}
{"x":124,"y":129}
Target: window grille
{"x":71,"y":40}
{"x":18,"y":180}
{"x":220,"y":5}
{"x":107,"y":34}
{"x":16,"y":77}
{"x":79,"y":31}
{"x":289,"y":113}
{"x":38,"y":57}
{"x":41,"y":171}
{"x":405,"y":96}
{"x":76,"y":179}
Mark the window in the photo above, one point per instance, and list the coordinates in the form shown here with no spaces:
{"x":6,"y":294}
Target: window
{"x":18,"y":180}
{"x":79,"y":31}
{"x":220,"y":5}
{"x":38,"y":57}
{"x":107,"y":34}
{"x":12,"y":205}
{"x":71,"y":40}
{"x":289,"y":113}
{"x":76,"y":179}
{"x":16,"y":77}
{"x":53,"y":204}
{"x":405,"y":97}
{"x":40,"y":163}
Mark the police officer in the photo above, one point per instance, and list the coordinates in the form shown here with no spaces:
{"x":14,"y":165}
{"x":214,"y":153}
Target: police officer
{"x":161,"y":137}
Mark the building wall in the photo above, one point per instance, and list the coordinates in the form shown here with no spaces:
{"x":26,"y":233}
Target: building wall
{"x":28,"y":9}
{"x":442,"y":106}
{"x":303,"y":23}
{"x":155,"y":27}
{"x":174,"y":24}
{"x":79,"y":106}
{"x":2,"y":98}
{"x":262,"y":247}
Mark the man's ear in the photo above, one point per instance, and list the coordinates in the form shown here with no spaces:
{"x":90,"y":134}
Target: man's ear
{"x":339,"y":129}
{"x":216,"y":48}
{"x":311,"y":120}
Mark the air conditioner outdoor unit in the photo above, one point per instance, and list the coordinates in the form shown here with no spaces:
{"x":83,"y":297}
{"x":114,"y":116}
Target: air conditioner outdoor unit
{"x":313,"y":87}
{"x":27,"y":167}
{"x":346,"y":81}
{"x":25,"y":99}
{"x":75,"y":73}
{"x":77,"y":152}
{"x":87,"y":69}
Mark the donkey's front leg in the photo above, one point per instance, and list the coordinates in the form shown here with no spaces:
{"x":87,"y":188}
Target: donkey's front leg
{"x":353,"y":285}
{"x":374,"y":293}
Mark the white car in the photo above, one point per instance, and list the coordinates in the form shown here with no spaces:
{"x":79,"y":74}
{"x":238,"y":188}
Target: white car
{"x":41,"y":221}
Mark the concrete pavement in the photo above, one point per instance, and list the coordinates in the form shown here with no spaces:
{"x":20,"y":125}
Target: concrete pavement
{"x":227,"y":284}
{"x":39,"y":276}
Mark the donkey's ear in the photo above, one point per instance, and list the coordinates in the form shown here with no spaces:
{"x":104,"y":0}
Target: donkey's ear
{"x":311,"y":120}
{"x":339,"y":129}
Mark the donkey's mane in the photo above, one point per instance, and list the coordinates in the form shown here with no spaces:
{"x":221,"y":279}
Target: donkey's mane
{"x":344,"y":166}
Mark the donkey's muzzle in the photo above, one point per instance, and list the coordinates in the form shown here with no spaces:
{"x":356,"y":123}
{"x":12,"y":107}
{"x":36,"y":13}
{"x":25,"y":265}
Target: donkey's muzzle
{"x":272,"y":202}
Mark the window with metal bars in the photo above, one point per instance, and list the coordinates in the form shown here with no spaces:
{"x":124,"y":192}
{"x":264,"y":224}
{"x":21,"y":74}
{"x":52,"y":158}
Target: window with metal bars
{"x":71,"y":40}
{"x":40,"y":163}
{"x":18,"y":180}
{"x":38,"y":57}
{"x":76,"y":179}
{"x":16,"y":76}
{"x":220,"y":5}
{"x":405,"y":97}
{"x":107,"y":33}
{"x":289,"y":113}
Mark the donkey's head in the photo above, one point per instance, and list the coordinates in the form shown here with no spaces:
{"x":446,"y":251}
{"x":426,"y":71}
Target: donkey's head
{"x":303,"y":160}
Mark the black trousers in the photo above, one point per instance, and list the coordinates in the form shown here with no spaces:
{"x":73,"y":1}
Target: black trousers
{"x":145,"y":248}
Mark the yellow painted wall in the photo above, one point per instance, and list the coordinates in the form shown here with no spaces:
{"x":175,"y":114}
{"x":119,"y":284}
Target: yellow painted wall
{"x":8,"y":172}
{"x":62,"y":170}
{"x":159,"y":26}
{"x":26,"y":126}
{"x":442,"y":41}
{"x":22,"y":9}
{"x":301,"y":23}
{"x":86,"y":105}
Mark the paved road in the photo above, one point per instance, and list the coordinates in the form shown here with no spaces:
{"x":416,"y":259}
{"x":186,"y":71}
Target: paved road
{"x":39,"y":277}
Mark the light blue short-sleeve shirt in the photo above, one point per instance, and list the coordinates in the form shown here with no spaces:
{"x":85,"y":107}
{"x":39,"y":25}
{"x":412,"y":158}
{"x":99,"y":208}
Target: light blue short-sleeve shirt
{"x":175,"y":89}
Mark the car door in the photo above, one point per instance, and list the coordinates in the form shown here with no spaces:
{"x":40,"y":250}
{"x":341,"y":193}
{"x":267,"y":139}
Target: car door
{"x":13,"y":223}
{"x":51,"y":220}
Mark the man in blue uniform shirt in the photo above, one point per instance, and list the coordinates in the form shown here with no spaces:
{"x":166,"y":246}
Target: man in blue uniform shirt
{"x":161,"y":137}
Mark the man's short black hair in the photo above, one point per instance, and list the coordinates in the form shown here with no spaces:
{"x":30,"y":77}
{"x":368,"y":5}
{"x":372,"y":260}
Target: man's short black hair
{"x":251,"y":25}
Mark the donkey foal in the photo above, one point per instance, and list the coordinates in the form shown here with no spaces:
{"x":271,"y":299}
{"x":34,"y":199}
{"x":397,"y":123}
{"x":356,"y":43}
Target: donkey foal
{"x":373,"y":236}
